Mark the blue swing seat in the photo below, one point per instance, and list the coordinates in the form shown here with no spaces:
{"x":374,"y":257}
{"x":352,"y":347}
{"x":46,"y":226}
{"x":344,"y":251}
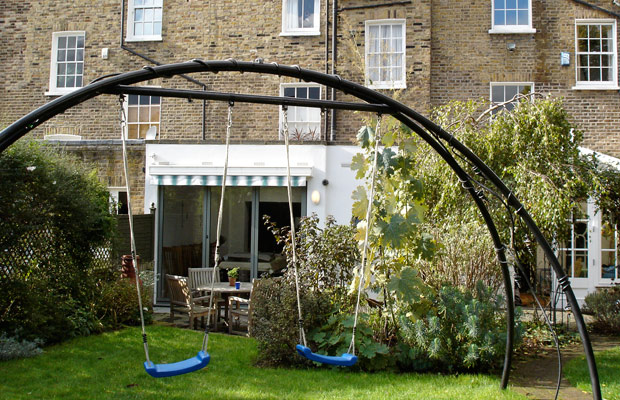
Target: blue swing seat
{"x":178,"y":368}
{"x":345,"y":360}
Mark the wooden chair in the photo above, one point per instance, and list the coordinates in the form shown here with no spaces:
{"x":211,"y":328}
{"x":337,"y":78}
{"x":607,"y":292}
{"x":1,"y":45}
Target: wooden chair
{"x":240,"y":307}
{"x":201,"y":278}
{"x":183,"y":300}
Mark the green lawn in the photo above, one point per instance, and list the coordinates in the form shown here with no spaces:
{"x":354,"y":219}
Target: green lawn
{"x":608,"y":364}
{"x":110,"y":366}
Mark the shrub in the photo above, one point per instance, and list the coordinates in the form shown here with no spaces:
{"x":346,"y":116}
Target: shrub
{"x":605,"y":305}
{"x":11,"y":347}
{"x":54,"y":215}
{"x":462,"y":330}
{"x":118,"y":304}
{"x":274,"y":321}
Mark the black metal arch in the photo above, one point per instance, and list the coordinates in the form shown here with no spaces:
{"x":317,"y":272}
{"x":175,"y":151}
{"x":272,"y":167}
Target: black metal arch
{"x":375,"y":102}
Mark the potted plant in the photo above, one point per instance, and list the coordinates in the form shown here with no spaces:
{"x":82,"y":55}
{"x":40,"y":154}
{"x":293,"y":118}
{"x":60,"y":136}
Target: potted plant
{"x":233,"y":273}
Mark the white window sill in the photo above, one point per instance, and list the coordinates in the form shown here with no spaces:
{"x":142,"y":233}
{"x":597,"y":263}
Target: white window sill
{"x":143,"y":39}
{"x":59,"y":92}
{"x":502,"y":30}
{"x":300,"y":33}
{"x":387,"y":85}
{"x":595,"y":87}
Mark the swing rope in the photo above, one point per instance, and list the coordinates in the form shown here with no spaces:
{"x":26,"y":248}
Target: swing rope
{"x":155,"y":370}
{"x":123,"y":124}
{"x":302,"y":334}
{"x":205,"y":341}
{"x":362,"y":269}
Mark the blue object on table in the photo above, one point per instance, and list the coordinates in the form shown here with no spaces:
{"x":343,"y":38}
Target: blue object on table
{"x":178,"y":368}
{"x":345,"y":360}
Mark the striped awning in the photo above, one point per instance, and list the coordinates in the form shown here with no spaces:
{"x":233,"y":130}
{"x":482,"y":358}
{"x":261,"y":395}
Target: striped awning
{"x":231,"y":180}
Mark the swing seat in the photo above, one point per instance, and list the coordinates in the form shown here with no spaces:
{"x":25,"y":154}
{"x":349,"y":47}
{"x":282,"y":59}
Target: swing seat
{"x":345,"y":360}
{"x":178,"y":368}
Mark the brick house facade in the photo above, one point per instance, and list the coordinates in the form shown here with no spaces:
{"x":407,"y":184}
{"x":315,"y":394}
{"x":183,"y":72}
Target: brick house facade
{"x":439,"y":51}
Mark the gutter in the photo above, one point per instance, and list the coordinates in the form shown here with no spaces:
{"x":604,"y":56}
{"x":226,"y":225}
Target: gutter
{"x":595,"y":7}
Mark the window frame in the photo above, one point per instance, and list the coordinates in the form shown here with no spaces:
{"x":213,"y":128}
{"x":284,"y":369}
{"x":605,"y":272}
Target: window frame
{"x":126,"y":116}
{"x":502,"y":29}
{"x":131,"y":15}
{"x":281,"y":119}
{"x":397,"y":84}
{"x":314,"y":31}
{"x":494,"y":84}
{"x":597,"y":85}
{"x":54,"y":90}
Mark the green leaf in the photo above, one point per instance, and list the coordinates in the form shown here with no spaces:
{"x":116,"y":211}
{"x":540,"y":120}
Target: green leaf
{"x":360,"y":202}
{"x":388,"y":138}
{"x":358,"y":163}
{"x":393,"y":231}
{"x":407,"y":285}
{"x":364,"y":135}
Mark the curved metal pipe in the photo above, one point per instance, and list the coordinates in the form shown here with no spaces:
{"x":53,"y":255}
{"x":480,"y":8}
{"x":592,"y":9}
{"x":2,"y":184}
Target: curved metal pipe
{"x":35,"y":118}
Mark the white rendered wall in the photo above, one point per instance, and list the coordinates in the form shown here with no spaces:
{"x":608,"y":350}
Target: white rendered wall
{"x":331,"y":163}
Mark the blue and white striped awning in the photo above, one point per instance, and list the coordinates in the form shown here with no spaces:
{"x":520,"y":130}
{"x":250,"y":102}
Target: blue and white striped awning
{"x":231,"y":180}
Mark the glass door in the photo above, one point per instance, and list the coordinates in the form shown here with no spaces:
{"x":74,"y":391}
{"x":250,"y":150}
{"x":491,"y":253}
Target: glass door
{"x":181,"y":232}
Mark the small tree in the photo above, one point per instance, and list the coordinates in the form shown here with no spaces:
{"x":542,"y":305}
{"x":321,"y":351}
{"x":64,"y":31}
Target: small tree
{"x":53,"y":214}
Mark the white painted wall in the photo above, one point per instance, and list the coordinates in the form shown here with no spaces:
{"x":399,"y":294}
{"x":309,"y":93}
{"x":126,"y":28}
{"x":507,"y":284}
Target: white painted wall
{"x":326,"y":162}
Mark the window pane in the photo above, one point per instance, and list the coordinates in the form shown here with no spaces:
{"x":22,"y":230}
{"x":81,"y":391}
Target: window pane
{"x":132,"y":132}
{"x":148,"y":28}
{"x":80,"y":42}
{"x":289,"y":92}
{"x":308,"y":17}
{"x":595,"y":31}
{"x":497,"y":94}
{"x":133,"y":99}
{"x":143,"y":114}
{"x":70,"y":55}
{"x":139,"y":15}
{"x":499,"y":18}
{"x":595,"y":45}
{"x":523,"y":4}
{"x":397,"y":31}
{"x":511,"y":17}
{"x":148,"y":15}
{"x":60,"y":81}
{"x":138,"y":2}
{"x":78,"y":81}
{"x":155,"y":99}
{"x":606,"y":45}
{"x":132,"y":114}
{"x":71,"y":41}
{"x":145,"y":100}
{"x":511,"y":92}
{"x":61,"y":69}
{"x":523,"y":18}
{"x":148,"y":3}
{"x":373,"y":74}
{"x":397,"y":45}
{"x":583,"y":74}
{"x":385,"y":31}
{"x":154,"y":114}
{"x":61,"y":55}
{"x":606,"y":74}
{"x":62,"y":42}
{"x":157,"y":28}
{"x":582,"y":45}
{"x":70,"y":68}
{"x":79,"y":55}
{"x":157,"y":14}
{"x":511,"y":4}
{"x":143,"y":129}
{"x":158,"y":3}
{"x":583,"y":60}
{"x":70,"y":82}
{"x":595,"y":74}
{"x":314,"y":93}
{"x":500,"y":4}
{"x":374,"y":31}
{"x":138,"y":29}
{"x":302,"y":93}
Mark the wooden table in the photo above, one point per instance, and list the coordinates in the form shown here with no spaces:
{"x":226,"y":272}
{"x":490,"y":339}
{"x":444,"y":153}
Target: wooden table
{"x":223,"y":290}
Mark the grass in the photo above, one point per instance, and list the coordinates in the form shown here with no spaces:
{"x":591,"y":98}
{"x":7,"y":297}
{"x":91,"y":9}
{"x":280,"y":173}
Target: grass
{"x":110,"y":366}
{"x":608,"y":364}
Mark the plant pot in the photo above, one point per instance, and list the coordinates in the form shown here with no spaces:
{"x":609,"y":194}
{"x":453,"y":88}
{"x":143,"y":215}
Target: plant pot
{"x":231,"y":281}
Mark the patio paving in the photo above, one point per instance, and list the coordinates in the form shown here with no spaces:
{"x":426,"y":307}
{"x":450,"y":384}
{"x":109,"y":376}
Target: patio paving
{"x":537,"y":377}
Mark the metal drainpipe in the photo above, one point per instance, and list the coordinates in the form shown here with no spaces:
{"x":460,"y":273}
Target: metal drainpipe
{"x":326,"y":61}
{"x":123,"y":47}
{"x":334,"y":54}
